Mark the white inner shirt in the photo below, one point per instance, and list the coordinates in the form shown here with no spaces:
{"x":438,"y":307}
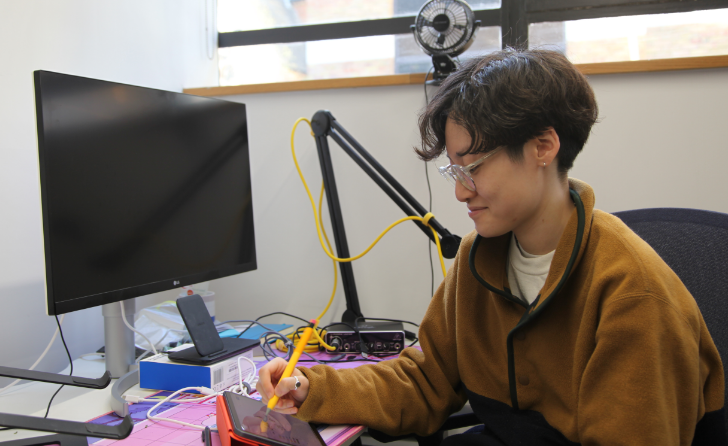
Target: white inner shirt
{"x":527,"y":272}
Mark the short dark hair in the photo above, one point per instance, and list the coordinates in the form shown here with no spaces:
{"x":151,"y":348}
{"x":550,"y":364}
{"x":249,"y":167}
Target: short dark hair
{"x":507,"y":98}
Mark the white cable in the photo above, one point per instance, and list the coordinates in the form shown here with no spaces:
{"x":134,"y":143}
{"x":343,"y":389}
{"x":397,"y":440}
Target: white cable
{"x":164,"y":335}
{"x":134,"y":399}
{"x":249,"y":379}
{"x":55,"y":334}
{"x":123,"y":317}
{"x":202,"y":390}
{"x":146,"y":352}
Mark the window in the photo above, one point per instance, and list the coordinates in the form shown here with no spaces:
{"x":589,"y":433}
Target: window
{"x":638,"y":37}
{"x":263,"y":41}
{"x":373,"y":55}
{"x":336,"y":58}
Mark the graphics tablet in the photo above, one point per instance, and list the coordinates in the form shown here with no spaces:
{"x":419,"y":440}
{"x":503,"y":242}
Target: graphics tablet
{"x":245,"y":415}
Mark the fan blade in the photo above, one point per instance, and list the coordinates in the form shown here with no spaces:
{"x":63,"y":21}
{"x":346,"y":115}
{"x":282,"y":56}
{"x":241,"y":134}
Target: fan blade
{"x":452,"y":39}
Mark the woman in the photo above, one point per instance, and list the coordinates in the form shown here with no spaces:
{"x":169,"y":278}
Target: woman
{"x":556,"y":322}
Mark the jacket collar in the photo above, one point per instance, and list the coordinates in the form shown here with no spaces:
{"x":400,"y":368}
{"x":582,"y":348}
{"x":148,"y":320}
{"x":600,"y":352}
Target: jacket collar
{"x":491,"y":269}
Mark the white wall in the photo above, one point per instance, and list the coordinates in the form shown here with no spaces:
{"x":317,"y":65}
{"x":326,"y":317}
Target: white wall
{"x":660,"y":143}
{"x":160,"y":44}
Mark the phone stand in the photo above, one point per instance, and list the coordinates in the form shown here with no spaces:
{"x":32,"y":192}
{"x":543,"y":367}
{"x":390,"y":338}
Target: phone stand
{"x":209,"y":346}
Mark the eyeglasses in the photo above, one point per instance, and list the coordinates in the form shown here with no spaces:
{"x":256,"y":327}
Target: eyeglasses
{"x":455,"y":172}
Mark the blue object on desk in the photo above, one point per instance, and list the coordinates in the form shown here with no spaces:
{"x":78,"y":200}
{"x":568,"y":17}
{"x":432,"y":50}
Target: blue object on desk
{"x":230,"y":333}
{"x":255,"y":332}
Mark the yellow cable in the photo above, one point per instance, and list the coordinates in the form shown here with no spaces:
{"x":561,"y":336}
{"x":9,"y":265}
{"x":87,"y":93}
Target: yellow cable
{"x":313,"y":344}
{"x":317,"y":334}
{"x":318,"y":340}
{"x":336,"y":273}
{"x":425,"y":220}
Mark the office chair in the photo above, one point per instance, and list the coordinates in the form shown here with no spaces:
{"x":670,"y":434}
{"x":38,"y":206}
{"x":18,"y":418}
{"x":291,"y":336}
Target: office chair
{"x":694,"y":243}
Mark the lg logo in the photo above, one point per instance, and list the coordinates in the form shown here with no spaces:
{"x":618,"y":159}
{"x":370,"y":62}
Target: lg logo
{"x":175,"y":283}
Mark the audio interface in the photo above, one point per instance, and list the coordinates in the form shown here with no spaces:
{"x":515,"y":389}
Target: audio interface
{"x":381,"y":338}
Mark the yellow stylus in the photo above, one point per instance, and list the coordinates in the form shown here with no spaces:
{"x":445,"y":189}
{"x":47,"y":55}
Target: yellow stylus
{"x":288,"y":371}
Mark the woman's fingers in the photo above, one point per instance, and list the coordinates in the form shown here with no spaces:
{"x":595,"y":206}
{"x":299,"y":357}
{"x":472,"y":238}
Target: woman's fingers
{"x":291,"y":391}
{"x":268,"y":377}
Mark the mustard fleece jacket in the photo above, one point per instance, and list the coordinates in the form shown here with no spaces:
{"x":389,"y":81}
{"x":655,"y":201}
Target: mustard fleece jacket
{"x":613,"y":351}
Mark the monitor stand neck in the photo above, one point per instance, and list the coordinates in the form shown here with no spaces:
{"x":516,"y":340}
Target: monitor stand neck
{"x":118,"y":339}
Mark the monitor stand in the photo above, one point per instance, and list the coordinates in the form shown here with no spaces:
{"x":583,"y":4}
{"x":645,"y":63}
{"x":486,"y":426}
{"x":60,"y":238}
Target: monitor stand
{"x":118,"y":339}
{"x":119,"y":352}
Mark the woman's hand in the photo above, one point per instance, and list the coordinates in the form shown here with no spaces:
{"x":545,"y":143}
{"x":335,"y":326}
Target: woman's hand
{"x":269,"y":384}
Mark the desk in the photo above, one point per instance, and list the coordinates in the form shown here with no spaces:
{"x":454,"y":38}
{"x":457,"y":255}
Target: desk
{"x":71,"y":403}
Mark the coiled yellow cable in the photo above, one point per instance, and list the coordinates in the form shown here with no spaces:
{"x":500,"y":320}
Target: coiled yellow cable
{"x":425,"y":220}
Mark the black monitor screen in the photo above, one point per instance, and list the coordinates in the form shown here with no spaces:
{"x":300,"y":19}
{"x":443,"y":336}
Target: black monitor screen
{"x":142,"y":190}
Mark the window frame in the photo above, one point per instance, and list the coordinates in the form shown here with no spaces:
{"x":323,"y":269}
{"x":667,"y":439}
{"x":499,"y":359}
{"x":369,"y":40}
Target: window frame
{"x":336,"y":30}
{"x":513,"y":17}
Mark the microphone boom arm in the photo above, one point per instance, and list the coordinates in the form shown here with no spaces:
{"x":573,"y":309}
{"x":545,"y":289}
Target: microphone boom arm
{"x":325,"y":125}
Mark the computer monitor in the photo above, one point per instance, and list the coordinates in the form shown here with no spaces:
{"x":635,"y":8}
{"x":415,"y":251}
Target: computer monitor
{"x":142,"y":190}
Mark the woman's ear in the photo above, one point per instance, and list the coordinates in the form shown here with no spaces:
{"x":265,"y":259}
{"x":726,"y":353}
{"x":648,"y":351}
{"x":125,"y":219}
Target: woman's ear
{"x":547,"y":146}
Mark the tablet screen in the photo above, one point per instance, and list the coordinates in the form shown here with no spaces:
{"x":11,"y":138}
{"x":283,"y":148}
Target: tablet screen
{"x":246,"y":415}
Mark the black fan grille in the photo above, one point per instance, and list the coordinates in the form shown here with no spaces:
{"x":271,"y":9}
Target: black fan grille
{"x":454,"y":37}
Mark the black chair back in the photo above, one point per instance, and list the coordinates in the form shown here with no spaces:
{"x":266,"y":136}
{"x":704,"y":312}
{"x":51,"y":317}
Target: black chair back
{"x":694,"y":243}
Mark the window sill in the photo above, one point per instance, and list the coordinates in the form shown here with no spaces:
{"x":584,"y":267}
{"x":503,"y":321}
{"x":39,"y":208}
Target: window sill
{"x":638,"y":66}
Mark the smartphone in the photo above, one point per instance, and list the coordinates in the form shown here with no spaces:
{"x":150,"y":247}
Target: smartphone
{"x":246,"y":415}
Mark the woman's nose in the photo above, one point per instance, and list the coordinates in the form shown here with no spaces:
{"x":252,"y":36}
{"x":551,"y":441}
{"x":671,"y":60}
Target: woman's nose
{"x":462,"y":193}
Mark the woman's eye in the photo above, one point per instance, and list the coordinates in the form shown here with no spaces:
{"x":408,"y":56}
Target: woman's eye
{"x":474,"y":169}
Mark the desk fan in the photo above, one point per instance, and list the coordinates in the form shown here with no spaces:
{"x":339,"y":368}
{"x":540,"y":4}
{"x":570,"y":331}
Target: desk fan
{"x":444,"y":29}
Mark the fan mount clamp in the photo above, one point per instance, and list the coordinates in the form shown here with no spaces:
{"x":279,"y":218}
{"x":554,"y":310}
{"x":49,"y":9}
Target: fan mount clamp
{"x":444,"y":29}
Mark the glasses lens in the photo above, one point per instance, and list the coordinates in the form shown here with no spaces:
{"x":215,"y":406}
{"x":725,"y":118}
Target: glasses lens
{"x":454,"y":174}
{"x":463,"y":178}
{"x":448,"y":175}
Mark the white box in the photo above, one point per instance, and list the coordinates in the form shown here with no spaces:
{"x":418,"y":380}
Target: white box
{"x":158,"y":372}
